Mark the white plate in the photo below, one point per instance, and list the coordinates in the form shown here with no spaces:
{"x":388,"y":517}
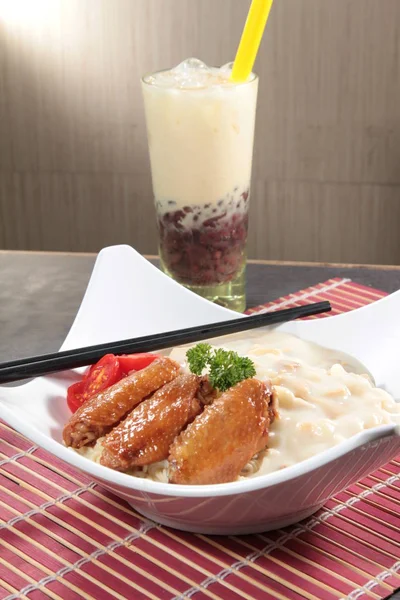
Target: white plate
{"x":128,"y":297}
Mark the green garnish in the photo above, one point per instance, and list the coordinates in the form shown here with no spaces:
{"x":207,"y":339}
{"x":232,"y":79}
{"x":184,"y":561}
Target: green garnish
{"x":225,"y":367}
{"x":228,"y":368}
{"x":199,"y":357}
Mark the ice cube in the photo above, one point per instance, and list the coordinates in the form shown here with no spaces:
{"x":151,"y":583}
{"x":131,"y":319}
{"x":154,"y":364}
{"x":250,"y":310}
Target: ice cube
{"x":189,"y":65}
{"x":191,"y":73}
{"x":226,"y":70}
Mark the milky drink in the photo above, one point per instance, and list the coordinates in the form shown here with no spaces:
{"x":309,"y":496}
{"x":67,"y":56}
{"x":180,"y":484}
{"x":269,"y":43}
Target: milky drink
{"x":200,"y":133}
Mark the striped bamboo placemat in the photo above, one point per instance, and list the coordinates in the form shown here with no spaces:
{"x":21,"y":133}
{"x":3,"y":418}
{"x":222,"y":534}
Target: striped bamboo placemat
{"x":63,"y":537}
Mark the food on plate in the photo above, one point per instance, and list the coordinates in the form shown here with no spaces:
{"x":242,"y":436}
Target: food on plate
{"x":98,"y":378}
{"x":217,"y":445}
{"x":135,"y":362}
{"x":248,"y":405}
{"x":147,"y":433}
{"x":233,"y":425}
{"x":96,"y":417}
{"x":225,"y":368}
{"x":107,"y":371}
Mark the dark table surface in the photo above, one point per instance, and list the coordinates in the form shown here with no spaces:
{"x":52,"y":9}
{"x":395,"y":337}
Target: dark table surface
{"x":40,"y":294}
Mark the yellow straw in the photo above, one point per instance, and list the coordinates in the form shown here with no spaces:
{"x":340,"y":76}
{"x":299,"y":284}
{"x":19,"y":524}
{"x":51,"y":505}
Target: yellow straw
{"x":251,"y":39}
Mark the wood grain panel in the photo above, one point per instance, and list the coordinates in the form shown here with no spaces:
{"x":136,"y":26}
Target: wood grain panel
{"x":74,"y":170}
{"x":88,"y":211}
{"x":329,"y":92}
{"x":304,"y":220}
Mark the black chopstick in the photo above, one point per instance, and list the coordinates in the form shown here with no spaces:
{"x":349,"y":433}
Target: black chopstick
{"x":71,"y":359}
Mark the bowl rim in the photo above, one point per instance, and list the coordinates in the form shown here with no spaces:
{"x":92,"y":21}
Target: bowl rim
{"x":141,"y":484}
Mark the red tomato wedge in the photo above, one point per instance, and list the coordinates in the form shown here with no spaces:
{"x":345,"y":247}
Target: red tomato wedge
{"x":76,"y":396}
{"x":135,"y":362}
{"x":99,"y":377}
{"x":102,"y":375}
{"x":107,"y":371}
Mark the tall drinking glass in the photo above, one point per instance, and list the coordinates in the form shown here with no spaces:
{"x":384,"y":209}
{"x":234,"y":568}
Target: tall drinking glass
{"x":200,"y":129}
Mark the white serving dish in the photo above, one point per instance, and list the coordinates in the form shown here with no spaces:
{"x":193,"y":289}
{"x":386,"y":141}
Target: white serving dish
{"x":128,"y":297}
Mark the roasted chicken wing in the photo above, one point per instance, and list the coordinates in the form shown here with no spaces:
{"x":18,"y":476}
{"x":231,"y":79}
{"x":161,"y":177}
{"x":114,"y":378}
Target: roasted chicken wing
{"x":148,"y":431}
{"x":206,"y":393}
{"x":216,"y":446}
{"x":98,"y":415}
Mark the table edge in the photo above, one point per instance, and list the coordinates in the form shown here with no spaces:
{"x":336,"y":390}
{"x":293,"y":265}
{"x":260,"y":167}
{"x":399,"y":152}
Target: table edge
{"x":251,"y":261}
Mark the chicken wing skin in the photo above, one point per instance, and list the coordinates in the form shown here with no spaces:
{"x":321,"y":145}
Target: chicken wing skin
{"x":206,"y":393}
{"x":148,"y":431}
{"x":98,"y":415}
{"x":224,"y":437}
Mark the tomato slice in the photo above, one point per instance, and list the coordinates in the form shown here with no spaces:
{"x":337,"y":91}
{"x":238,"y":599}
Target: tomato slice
{"x":99,"y":377}
{"x":135,"y":362}
{"x":76,"y":396}
{"x":102,"y":375}
{"x":107,"y":371}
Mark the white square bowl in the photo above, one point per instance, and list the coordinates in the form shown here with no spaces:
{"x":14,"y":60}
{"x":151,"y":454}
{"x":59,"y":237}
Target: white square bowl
{"x":128,"y":297}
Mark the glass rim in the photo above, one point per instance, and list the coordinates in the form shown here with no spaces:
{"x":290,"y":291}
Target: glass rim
{"x":253,"y":77}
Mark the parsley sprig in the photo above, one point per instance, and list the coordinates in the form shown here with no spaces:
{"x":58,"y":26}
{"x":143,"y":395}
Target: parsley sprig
{"x":225,"y":367}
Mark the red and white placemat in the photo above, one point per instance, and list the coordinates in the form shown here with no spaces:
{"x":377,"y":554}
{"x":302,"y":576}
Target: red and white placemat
{"x":63,"y":537}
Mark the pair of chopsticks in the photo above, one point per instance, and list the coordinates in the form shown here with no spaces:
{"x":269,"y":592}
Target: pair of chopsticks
{"x":71,"y":359}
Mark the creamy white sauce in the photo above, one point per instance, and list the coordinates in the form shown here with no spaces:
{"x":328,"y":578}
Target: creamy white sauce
{"x":319,"y":402}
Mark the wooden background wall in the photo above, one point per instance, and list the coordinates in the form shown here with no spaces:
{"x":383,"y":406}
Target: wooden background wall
{"x":74,"y":170}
